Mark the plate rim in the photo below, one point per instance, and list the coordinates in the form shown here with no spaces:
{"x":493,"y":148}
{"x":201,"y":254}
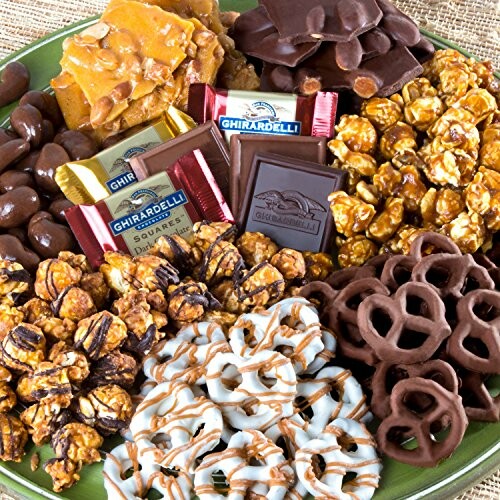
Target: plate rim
{"x":463,"y":479}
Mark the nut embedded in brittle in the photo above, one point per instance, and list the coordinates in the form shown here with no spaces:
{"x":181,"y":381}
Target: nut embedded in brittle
{"x":108,"y":408}
{"x":13,"y":438}
{"x":23,"y":348}
{"x":188,"y":302}
{"x":114,"y":368}
{"x":290,"y":263}
{"x":99,"y":334}
{"x":53,"y":276}
{"x":255,"y":247}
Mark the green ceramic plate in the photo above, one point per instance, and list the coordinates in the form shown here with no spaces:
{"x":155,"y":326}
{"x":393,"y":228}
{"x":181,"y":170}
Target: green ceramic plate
{"x":476,"y":457}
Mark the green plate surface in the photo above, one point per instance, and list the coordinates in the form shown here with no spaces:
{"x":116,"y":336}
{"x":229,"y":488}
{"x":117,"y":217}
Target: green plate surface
{"x":477,"y":456}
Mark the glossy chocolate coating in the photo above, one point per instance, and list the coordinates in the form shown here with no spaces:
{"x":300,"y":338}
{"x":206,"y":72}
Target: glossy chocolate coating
{"x":27,"y":121}
{"x":78,"y":145}
{"x":13,"y":151}
{"x":17,"y":206}
{"x":11,"y":248}
{"x":57,"y":208}
{"x":46,"y":104}
{"x":12,"y":179}
{"x":51,"y":156}
{"x":47,"y":237}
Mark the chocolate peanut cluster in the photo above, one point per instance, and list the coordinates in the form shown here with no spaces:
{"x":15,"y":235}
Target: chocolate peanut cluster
{"x":423,"y":159}
{"x":424,"y":326}
{"x":72,"y":339}
{"x":369,"y":47}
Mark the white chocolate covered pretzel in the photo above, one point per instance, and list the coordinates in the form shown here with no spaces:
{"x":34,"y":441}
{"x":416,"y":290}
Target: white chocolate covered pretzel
{"x":252,"y":464}
{"x":345,"y":446}
{"x":145,"y":476}
{"x":291,"y":325}
{"x":174,"y":427}
{"x":264,"y":394}
{"x":186,"y":356}
{"x":331,"y":394}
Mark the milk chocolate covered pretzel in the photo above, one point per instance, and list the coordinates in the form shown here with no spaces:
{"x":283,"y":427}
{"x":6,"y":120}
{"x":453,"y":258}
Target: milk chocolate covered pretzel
{"x":387,"y":375}
{"x":397,"y":271}
{"x":406,"y":421}
{"x":343,"y":318}
{"x":478,"y":403}
{"x":430,"y":242}
{"x":407,"y":327}
{"x":475,"y":342}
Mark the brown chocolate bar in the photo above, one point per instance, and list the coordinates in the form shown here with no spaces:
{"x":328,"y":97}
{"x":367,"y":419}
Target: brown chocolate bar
{"x":335,"y":20}
{"x":245,"y":146}
{"x":206,"y":138}
{"x":286,"y":199}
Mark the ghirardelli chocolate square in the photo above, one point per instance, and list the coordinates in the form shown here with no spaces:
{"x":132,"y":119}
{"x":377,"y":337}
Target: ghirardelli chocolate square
{"x":287,"y":200}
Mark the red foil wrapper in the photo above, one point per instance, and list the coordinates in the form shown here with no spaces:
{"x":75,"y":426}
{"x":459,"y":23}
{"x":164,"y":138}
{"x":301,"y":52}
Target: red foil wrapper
{"x":247,"y":112}
{"x":132,"y":219}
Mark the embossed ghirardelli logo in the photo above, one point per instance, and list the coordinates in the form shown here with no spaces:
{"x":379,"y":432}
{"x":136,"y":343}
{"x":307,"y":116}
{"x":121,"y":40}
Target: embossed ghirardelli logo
{"x":122,"y":163}
{"x":288,"y":209}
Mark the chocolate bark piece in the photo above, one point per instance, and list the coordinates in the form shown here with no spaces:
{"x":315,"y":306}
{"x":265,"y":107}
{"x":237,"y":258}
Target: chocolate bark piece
{"x":286,"y":199}
{"x":206,"y":138}
{"x":255,"y":35}
{"x":336,"y":20}
{"x":245,"y":146}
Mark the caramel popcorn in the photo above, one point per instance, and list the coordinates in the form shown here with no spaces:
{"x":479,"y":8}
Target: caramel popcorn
{"x":23,"y":348}
{"x":13,"y":438}
{"x":73,"y":303}
{"x":416,"y":89}
{"x":8,"y":399}
{"x":357,"y":133}
{"x":78,"y":443}
{"x":351,"y":215}
{"x":35,"y":309}
{"x":14,"y":279}
{"x":290,"y":263}
{"x":256,"y":248}
{"x":381,"y":112}
{"x":489,"y":154}
{"x":9,"y":318}
{"x":176,"y":250}
{"x":207,"y":233}
{"x":44,"y":418}
{"x":367,"y":192}
{"x":397,"y":138}
{"x":482,"y":196}
{"x":423,"y":112}
{"x":95,"y":285}
{"x":74,"y":361}
{"x":226,"y":292}
{"x":189,"y":302}
{"x":118,"y":270}
{"x":108,"y":408}
{"x":263,"y":284}
{"x":114,"y":368}
{"x":219,"y":261}
{"x":57,"y":329}
{"x":78,"y":261}
{"x":386,"y":223}
{"x":99,"y":334}
{"x":154,"y":273}
{"x":319,"y":265}
{"x":355,"y":251}
{"x":441,"y":206}
{"x":64,"y":473}
{"x":53,"y":276}
{"x":467,"y":230}
{"x":361,"y":163}
{"x":47,"y":380}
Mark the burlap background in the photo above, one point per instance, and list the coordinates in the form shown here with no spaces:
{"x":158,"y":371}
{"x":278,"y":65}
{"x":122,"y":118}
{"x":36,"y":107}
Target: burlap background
{"x":474,"y":25}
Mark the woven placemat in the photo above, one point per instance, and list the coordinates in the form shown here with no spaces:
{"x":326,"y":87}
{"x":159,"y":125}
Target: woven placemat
{"x":471,"y":24}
